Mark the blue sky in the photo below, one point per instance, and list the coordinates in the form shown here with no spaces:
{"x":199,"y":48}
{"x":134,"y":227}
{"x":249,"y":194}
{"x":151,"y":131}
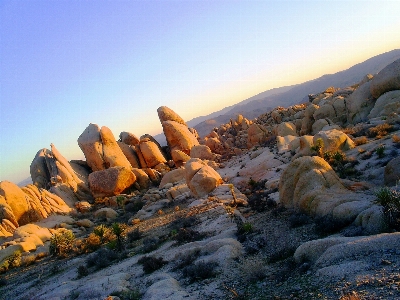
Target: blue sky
{"x":65,"y":64}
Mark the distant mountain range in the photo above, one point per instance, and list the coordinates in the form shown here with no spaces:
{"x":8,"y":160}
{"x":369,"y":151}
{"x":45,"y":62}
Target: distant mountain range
{"x":289,"y":95}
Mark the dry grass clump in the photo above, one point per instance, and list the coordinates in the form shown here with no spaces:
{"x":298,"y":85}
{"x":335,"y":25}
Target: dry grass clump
{"x":380,"y":130}
{"x":361,"y":140}
{"x":350,"y":296}
{"x":396,"y":140}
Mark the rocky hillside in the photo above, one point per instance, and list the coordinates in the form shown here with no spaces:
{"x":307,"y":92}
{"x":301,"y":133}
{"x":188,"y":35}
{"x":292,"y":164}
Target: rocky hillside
{"x":300,"y":203}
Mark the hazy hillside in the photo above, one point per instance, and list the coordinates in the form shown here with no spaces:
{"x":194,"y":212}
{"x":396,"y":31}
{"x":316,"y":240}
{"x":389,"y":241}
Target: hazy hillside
{"x":290,"y":95}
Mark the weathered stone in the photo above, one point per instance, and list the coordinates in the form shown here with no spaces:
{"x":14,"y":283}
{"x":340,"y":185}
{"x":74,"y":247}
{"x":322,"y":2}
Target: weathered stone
{"x":128,"y":138}
{"x":92,"y":147}
{"x":386,"y":104}
{"x":334,"y":140}
{"x":202,"y":152}
{"x":179,"y":157}
{"x":256,"y":135}
{"x":392,"y":172}
{"x":141,"y":178}
{"x":204,"y":181}
{"x":105,"y":212}
{"x":167,"y":114}
{"x":360,"y":104}
{"x":151,"y":153}
{"x":179,"y":137}
{"x":111,"y":181}
{"x":172,"y":177}
{"x":112,"y":153}
{"x":388,"y":79}
{"x":130,"y":154}
{"x":285,"y":128}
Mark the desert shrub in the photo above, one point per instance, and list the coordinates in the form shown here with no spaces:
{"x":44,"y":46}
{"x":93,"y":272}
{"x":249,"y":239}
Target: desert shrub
{"x":327,"y":224}
{"x":151,"y":263}
{"x":390,"y":201}
{"x":318,"y":147}
{"x":184,"y":222}
{"x":127,"y":294}
{"x":103,"y":232}
{"x":14,"y":260}
{"x":281,"y":254}
{"x":3,"y":281}
{"x":380,"y":130}
{"x":200,"y":271}
{"x":134,"y":235}
{"x":187,"y":235}
{"x":61,"y":243}
{"x":92,"y":243}
{"x":380,"y":151}
{"x":134,"y":206}
{"x":102,"y":258}
{"x":118,"y":230}
{"x":185,"y":259}
{"x":361,"y":140}
{"x":298,"y":219}
{"x":396,"y":141}
{"x":150,"y":244}
{"x":82,"y":271}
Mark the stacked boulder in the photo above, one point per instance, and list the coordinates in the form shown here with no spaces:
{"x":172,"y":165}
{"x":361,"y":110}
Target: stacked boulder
{"x":179,"y":138}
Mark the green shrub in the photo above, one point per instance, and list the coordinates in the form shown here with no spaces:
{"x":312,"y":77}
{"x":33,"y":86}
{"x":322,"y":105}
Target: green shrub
{"x":187,"y":258}
{"x":318,"y":147}
{"x":118,"y":230}
{"x":390,"y":200}
{"x":127,"y":294}
{"x":102,"y":258}
{"x":380,"y":151}
{"x":61,"y":243}
{"x":103,"y":232}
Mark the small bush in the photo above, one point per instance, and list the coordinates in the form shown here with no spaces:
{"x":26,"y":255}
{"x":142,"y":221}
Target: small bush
{"x":28,"y":260}
{"x":318,"y":147}
{"x":61,"y":243}
{"x":187,"y":258}
{"x":200,"y":271}
{"x":361,"y":140}
{"x":151,"y":263}
{"x":118,"y":230}
{"x":92,"y":243}
{"x":281,"y":254}
{"x":380,"y":131}
{"x":380,"y":151}
{"x":103,"y":232}
{"x":102,"y":258}
{"x":396,"y":141}
{"x":390,"y":200}
{"x":82,"y":271}
{"x":187,"y":235}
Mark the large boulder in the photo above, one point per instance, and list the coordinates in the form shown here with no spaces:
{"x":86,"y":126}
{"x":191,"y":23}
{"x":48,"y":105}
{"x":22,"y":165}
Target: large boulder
{"x":111,"y":182}
{"x":333,"y":140}
{"x":256,"y":135}
{"x":388,"y":79}
{"x":128,"y":138}
{"x":310,"y":185}
{"x":285,"y":128}
{"x":130,"y":154}
{"x":167,"y":114}
{"x":386,"y":104}
{"x":112,"y":153}
{"x":200,"y":178}
{"x":172,"y":177}
{"x":202,"y":152}
{"x":392,"y":172}
{"x":360,"y":104}
{"x":92,"y":147}
{"x":179,"y":137}
{"x":151,"y":153}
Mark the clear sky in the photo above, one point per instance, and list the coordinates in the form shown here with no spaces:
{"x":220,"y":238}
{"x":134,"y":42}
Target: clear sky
{"x":65,"y":64}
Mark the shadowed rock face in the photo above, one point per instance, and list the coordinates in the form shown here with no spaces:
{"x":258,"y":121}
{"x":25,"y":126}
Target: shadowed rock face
{"x":388,"y":79}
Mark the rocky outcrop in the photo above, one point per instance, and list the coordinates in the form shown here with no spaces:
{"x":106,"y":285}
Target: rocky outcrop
{"x":111,"y":181}
{"x":101,"y":149}
{"x":178,"y":136}
{"x":310,"y":185}
{"x":360,"y":104}
{"x":388,"y":79}
{"x":167,"y":114}
{"x":20,"y":206}
{"x":151,"y":153}
{"x":50,"y":170}
{"x":386,"y":104}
